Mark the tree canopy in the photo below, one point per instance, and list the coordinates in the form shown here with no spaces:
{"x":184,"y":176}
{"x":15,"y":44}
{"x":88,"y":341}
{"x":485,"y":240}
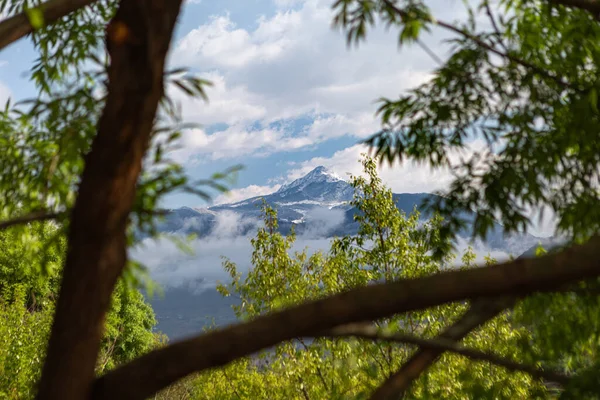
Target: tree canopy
{"x":84,"y":166}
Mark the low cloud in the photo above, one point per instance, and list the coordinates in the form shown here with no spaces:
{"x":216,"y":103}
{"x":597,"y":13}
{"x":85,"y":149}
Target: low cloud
{"x":230,"y":224}
{"x":203,"y":268}
{"x":236,"y":195}
{"x":171,"y":267}
{"x":321,"y":221}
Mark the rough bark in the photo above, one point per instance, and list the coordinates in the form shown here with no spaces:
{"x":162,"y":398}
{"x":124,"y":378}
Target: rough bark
{"x":15,"y":27}
{"x":478,"y":314}
{"x":150,"y":373}
{"x":138,"y":39}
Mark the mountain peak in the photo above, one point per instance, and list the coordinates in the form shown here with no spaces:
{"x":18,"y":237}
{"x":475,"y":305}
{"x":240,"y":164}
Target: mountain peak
{"x":318,"y":175}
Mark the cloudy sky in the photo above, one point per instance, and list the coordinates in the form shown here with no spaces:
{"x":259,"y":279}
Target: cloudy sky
{"x":288,"y":93}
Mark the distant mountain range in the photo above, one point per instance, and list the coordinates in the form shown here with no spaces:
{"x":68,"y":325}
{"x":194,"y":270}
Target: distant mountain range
{"x":316,"y":205}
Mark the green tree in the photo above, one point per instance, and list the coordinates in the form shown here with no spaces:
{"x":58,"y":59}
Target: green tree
{"x":388,"y":246}
{"x":29,"y":283}
{"x":88,"y":153}
{"x":522,"y":87}
{"x":22,"y":335}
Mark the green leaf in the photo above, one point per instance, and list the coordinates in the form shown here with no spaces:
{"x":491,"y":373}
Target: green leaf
{"x":36,"y":17}
{"x":593,"y":97}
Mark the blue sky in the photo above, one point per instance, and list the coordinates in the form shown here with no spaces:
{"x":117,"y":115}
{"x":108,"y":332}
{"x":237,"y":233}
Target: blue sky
{"x":288,"y":93}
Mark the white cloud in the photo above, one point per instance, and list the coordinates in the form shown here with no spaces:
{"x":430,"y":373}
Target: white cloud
{"x":221,"y":44}
{"x":171,"y":267}
{"x":321,"y":221}
{"x":293,"y":64}
{"x":404,"y":178}
{"x":230,"y":224}
{"x":235,"y":141}
{"x":360,"y":125}
{"x":229,"y":105}
{"x":239,"y":139}
{"x":235,"y":195}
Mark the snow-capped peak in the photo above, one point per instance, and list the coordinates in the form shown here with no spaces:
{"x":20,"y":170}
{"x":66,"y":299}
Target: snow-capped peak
{"x":317,"y":175}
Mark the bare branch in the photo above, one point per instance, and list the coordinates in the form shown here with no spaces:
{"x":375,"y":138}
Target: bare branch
{"x":538,"y":70}
{"x":480,"y":312}
{"x":31,"y":217}
{"x":492,"y":19}
{"x":370,"y":332}
{"x":430,"y":52}
{"x":148,"y":374}
{"x":37,"y":216}
{"x":15,"y":27}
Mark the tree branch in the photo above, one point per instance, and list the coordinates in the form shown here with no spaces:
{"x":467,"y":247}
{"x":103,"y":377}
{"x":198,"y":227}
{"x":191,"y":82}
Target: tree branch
{"x":506,"y":55}
{"x":31,"y":217}
{"x":440,"y":345}
{"x":148,"y":374}
{"x":47,"y":216}
{"x":17,"y":26}
{"x":480,"y":312}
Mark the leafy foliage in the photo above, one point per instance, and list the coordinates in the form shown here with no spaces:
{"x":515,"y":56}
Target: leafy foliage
{"x":22,"y":335}
{"x":527,"y":130}
{"x":513,"y":112}
{"x":27,"y":298}
{"x":389,"y":246}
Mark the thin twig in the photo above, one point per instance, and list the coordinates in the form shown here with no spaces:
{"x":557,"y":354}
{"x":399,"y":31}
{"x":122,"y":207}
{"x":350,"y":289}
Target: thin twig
{"x":430,"y":52}
{"x":31,"y":217}
{"x":319,"y":372}
{"x":369,"y":332}
{"x":490,"y":15}
{"x":231,"y":385}
{"x":479,"y":312}
{"x":111,"y":349}
{"x":303,"y":389}
{"x":540,"y":71}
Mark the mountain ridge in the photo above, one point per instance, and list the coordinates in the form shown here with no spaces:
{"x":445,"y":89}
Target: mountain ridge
{"x":303,"y":204}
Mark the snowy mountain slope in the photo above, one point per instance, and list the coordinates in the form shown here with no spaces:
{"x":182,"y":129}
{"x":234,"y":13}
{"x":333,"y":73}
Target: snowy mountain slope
{"x":316,"y":204}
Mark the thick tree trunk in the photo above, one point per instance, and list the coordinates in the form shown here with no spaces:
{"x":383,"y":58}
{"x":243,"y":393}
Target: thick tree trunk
{"x":138,"y":39}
